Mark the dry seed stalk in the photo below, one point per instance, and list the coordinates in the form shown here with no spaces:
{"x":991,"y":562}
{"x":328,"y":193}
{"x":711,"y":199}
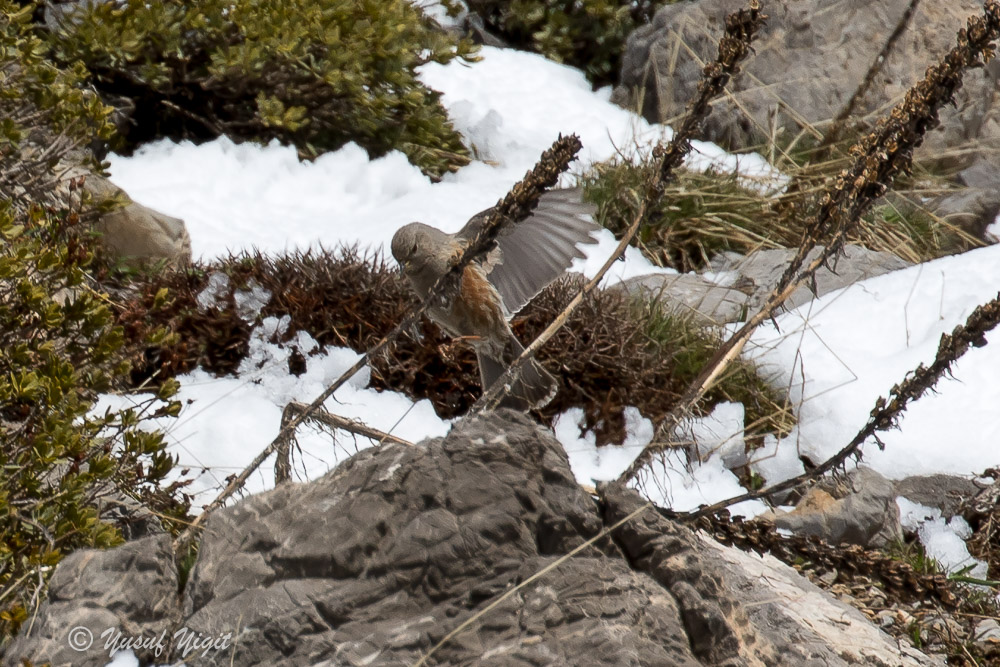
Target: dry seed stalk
{"x":879,"y":158}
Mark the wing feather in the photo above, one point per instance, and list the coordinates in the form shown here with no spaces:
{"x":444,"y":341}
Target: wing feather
{"x":536,"y":251}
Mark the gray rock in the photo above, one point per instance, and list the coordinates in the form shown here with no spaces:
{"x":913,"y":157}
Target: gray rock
{"x":946,"y":492}
{"x":690,"y":295}
{"x":378,"y":561}
{"x":805,"y":621}
{"x":749,"y":609}
{"x":709,"y":303}
{"x":96,"y":596}
{"x":132,"y":518}
{"x":807,"y":63}
{"x":987,"y":632}
{"x":860,"y":511}
{"x":762,"y":269}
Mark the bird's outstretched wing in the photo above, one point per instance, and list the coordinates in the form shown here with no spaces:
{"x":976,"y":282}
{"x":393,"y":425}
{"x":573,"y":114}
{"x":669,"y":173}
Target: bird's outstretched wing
{"x":537,"y":250}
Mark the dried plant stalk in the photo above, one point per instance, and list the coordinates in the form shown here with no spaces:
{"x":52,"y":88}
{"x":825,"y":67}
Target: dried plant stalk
{"x":879,"y":158}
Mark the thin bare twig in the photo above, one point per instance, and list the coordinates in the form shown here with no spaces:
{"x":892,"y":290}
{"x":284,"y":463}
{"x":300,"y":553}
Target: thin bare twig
{"x":282,"y":468}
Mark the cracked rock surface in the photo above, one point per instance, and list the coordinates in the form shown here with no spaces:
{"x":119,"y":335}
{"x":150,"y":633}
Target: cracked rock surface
{"x":379,"y":560}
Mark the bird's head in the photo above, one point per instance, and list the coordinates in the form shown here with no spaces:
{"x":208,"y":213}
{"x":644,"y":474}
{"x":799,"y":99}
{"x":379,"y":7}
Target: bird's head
{"x":410,"y":241}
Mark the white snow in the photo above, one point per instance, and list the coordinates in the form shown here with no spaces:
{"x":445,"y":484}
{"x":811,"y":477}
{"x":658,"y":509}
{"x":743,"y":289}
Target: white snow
{"x":839,"y":353}
{"x":591,"y":463}
{"x":124,"y":658}
{"x":943,"y":539}
{"x":835,"y":355}
{"x":227,"y":421}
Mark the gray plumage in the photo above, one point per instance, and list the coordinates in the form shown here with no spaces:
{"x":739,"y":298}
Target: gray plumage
{"x":536,"y":251}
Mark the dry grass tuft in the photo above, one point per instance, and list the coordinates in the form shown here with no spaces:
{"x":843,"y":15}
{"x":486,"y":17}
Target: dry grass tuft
{"x":703,"y":214}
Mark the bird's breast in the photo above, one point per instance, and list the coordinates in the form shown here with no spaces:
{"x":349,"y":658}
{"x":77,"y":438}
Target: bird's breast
{"x":478,"y":306}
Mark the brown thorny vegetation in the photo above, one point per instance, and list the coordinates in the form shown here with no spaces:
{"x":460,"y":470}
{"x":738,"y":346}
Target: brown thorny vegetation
{"x":601,"y":351}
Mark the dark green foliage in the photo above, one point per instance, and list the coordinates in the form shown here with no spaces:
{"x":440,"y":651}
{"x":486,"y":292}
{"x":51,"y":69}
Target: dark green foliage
{"x":314,"y":73}
{"x":59,"y":347}
{"x":589,"y":34}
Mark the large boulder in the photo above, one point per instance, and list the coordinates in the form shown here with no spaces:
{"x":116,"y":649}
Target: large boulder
{"x":378,"y":561}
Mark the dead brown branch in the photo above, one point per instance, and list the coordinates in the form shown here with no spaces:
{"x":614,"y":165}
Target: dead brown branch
{"x":282,"y":467}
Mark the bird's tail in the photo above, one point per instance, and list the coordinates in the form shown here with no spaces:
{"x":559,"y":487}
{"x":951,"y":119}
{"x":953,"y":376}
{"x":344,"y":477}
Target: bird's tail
{"x":532,"y":390}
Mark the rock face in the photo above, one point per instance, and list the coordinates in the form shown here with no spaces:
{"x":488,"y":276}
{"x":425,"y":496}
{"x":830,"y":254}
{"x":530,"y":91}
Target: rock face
{"x":807,"y":63}
{"x":131,"y":590}
{"x":377,"y":562}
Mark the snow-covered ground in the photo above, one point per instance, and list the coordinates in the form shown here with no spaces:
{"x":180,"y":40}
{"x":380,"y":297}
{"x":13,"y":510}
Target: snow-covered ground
{"x":835,"y":355}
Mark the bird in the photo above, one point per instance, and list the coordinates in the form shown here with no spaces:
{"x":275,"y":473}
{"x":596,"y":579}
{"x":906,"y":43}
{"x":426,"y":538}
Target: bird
{"x":528,"y":256}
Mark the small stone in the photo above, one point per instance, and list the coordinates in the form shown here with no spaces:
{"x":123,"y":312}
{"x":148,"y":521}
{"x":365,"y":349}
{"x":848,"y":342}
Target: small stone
{"x":876,"y":595}
{"x":942,"y":627}
{"x":987,"y":631}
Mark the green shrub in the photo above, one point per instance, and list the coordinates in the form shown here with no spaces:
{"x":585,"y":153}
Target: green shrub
{"x":58,"y":346}
{"x":313,"y":73}
{"x":588,"y":34}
